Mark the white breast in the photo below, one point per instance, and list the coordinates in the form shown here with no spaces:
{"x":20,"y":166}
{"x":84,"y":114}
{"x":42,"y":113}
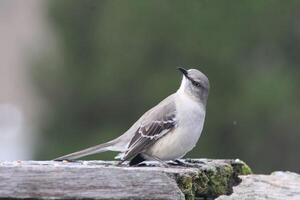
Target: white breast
{"x":190,"y":116}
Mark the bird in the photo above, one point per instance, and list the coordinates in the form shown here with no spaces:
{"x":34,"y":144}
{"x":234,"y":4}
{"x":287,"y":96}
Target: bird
{"x":167,"y":131}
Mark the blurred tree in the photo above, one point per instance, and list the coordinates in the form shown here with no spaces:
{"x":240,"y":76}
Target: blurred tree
{"x":118,"y":59}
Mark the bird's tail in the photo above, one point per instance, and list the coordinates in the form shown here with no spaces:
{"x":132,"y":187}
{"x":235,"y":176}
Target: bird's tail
{"x":109,"y":146}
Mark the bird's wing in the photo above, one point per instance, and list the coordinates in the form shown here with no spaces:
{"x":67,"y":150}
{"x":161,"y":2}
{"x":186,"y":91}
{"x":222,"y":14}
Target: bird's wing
{"x":159,"y":121}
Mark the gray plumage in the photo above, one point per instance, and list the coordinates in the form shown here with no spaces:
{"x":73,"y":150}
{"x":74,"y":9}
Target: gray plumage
{"x":165,"y":132}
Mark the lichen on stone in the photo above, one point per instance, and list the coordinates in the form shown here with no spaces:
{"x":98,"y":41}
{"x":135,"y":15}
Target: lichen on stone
{"x":185,"y":183}
{"x":200,"y":183}
{"x":240,"y":167}
{"x":212,"y":181}
{"x":220,"y":181}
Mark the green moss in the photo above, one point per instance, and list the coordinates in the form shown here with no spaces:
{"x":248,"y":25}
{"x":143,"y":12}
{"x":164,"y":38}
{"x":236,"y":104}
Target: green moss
{"x":220,"y":181}
{"x":246,"y":170}
{"x":241,"y":168}
{"x":207,"y":183}
{"x":185,"y":183}
{"x":200,"y":183}
{"x":213,"y":181}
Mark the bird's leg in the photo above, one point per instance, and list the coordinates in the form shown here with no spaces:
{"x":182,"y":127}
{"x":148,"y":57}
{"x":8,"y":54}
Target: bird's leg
{"x":183,"y":163}
{"x":179,"y":162}
{"x":172,"y":162}
{"x":65,"y":160}
{"x":151,"y":157}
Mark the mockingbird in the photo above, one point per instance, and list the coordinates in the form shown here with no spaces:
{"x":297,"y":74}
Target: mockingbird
{"x":167,"y":131}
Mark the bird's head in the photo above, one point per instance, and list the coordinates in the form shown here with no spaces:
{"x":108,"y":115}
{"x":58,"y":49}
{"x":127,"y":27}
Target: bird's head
{"x":195,"y":84}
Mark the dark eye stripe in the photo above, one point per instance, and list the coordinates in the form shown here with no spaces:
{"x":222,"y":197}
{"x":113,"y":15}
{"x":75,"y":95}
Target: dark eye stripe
{"x":197,"y":84}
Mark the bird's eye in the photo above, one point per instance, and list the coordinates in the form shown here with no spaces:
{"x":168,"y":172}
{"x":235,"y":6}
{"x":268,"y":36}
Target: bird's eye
{"x":197,"y":84}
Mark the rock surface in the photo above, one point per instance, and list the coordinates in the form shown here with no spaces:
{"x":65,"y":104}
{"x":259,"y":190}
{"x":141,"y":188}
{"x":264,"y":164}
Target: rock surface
{"x":200,"y":178}
{"x":278,"y":185}
{"x":192,"y":179}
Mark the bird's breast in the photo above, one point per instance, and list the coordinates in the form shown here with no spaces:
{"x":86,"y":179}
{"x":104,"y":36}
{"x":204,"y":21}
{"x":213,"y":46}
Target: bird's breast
{"x":191,"y":117}
{"x":183,"y":138}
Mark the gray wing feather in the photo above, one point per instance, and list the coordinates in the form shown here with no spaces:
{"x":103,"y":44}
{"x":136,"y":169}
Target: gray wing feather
{"x":158,"y":122}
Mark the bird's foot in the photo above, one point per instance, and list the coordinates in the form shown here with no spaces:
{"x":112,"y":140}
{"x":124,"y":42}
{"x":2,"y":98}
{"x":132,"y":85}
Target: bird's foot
{"x":66,"y":160}
{"x":153,"y":164}
{"x":181,"y":163}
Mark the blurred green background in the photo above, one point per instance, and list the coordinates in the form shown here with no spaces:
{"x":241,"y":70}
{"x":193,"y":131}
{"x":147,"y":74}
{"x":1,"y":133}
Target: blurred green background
{"x":117,"y":59}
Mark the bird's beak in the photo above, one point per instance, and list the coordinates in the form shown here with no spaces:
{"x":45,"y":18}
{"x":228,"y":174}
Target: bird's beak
{"x":183,"y":71}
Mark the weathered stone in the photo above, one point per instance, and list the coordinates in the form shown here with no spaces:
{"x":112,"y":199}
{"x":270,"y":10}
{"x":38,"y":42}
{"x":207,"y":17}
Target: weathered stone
{"x":105,"y":180}
{"x":277,"y":186}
